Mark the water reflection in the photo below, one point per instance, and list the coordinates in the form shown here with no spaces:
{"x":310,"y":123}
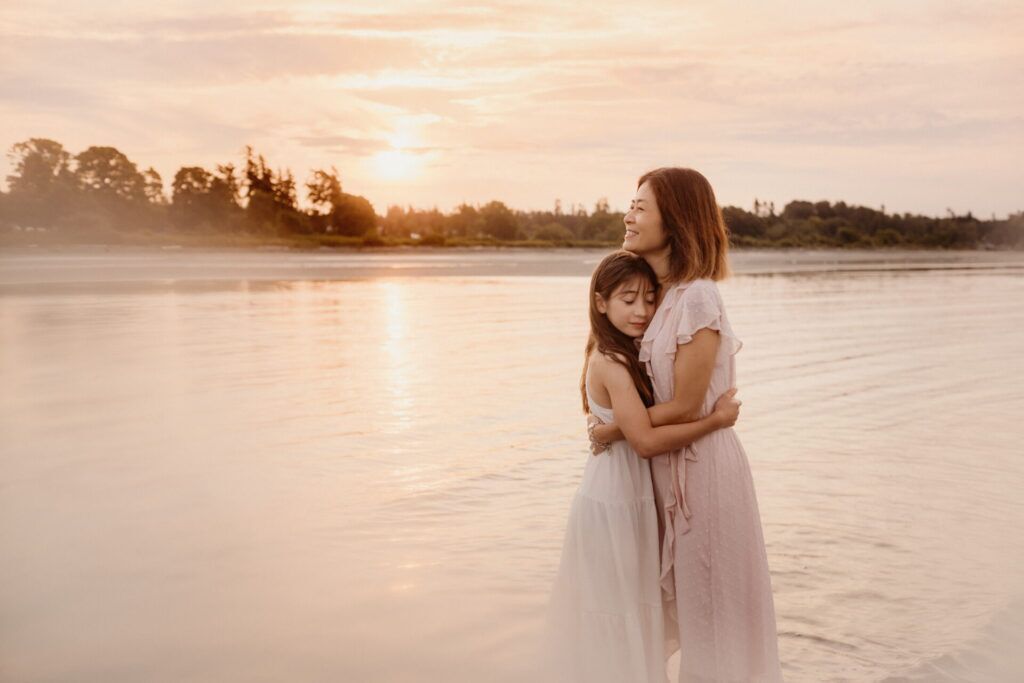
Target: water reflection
{"x":241,"y":479}
{"x":398,"y":347}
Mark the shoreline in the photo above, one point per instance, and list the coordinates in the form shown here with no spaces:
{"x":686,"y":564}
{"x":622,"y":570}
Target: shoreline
{"x":525,"y":246}
{"x":41,"y":240}
{"x":26,"y":268}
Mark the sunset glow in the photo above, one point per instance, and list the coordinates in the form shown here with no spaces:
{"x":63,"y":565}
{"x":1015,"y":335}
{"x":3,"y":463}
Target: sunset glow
{"x":914,"y":106}
{"x":395,"y":164}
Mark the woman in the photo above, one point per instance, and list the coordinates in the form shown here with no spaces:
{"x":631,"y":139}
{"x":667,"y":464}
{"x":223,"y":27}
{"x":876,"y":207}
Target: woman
{"x":606,"y":618}
{"x":715,"y":582}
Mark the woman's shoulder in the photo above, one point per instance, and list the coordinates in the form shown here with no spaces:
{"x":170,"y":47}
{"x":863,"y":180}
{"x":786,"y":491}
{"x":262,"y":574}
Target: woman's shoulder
{"x":699,"y":289}
{"x":703,"y":284}
{"x":697,"y":283}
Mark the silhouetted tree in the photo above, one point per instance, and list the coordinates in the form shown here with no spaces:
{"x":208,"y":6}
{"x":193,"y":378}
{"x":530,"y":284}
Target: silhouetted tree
{"x":743,"y":223}
{"x":110,"y":175}
{"x":498,"y":221}
{"x":601,"y":223}
{"x":354,"y":216}
{"x":324,"y":189}
{"x":554,"y":232}
{"x":271,"y":198}
{"x":42,"y":186}
{"x":345,"y":214}
{"x":113,"y":192}
{"x":39,"y":165}
{"x":154,"y":187}
{"x":201,"y":199}
{"x":798,"y":210}
{"x":465,"y":221}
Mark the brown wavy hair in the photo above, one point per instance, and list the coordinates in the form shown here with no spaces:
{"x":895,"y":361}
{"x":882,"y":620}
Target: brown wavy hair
{"x":615,"y":269}
{"x":697,"y":235}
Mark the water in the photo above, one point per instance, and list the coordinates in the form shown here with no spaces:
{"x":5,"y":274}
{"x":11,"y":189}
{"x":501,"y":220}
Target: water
{"x":268,"y":466}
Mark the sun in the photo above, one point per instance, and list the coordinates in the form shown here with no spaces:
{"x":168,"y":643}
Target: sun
{"x":402,"y":160}
{"x":396,"y":164}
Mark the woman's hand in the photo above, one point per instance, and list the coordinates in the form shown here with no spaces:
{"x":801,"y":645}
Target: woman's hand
{"x":596,"y":445}
{"x":727,"y":408}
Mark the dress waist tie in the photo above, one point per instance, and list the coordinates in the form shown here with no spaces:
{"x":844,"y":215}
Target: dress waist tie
{"x":676,"y":512}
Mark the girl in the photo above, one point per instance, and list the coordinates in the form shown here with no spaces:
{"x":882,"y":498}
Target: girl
{"x":605,"y":614}
{"x":715,"y":582}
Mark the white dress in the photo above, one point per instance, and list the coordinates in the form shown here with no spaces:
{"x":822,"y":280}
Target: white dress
{"x":605,"y":618}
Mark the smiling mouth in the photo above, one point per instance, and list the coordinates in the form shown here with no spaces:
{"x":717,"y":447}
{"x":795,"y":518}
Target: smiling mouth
{"x":631,"y":233}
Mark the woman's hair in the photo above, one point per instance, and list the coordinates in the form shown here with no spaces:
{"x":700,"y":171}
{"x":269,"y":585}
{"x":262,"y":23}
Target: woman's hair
{"x":697,"y":236}
{"x":618,"y":268}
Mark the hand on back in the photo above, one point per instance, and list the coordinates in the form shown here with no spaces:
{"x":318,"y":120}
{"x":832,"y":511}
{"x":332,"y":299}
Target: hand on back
{"x":728,"y":407}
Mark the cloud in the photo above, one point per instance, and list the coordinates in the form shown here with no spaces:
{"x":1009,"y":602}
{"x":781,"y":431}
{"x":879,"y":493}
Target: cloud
{"x":786,"y":93}
{"x":203,"y":60}
{"x":895,"y":130}
{"x":344,"y":144}
{"x":27,"y":93}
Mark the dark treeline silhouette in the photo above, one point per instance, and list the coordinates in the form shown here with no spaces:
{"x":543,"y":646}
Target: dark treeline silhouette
{"x":496,"y":222}
{"x":100,"y":191}
{"x":100,"y":195}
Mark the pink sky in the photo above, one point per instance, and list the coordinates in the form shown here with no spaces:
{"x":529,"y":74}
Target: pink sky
{"x":916,"y":105}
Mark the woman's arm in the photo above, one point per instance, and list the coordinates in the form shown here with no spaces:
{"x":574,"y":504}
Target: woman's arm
{"x":693,"y":365}
{"x":632,"y":417}
{"x":692,"y":368}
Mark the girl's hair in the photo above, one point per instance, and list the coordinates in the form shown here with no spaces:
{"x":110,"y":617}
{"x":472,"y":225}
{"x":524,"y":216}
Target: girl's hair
{"x":697,"y":236}
{"x":617,"y":268}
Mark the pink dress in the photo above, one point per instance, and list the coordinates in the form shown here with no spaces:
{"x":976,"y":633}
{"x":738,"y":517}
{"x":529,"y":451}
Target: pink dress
{"x":714,"y":570}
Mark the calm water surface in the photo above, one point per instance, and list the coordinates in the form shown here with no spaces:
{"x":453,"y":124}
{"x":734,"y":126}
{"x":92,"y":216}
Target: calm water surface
{"x":364,"y":475}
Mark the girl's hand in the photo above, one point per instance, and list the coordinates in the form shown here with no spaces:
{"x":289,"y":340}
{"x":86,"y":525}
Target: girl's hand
{"x":596,"y":445}
{"x":727,"y":408}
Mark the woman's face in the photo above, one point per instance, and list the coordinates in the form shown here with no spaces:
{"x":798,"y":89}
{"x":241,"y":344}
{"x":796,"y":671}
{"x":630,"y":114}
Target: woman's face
{"x":644,"y":231}
{"x":630,"y":307}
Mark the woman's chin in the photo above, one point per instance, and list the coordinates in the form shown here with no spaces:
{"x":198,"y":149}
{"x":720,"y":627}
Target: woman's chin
{"x":631,"y":244}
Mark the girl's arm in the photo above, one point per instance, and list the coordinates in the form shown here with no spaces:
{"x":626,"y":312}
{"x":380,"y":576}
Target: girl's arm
{"x":693,"y":365}
{"x":632,"y":418}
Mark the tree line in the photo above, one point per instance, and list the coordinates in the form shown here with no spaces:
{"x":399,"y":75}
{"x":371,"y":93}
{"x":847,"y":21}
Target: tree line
{"x":101,"y":189}
{"x":100,"y":192}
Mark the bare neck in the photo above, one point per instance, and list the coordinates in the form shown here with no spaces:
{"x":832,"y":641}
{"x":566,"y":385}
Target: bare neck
{"x":659,"y":262}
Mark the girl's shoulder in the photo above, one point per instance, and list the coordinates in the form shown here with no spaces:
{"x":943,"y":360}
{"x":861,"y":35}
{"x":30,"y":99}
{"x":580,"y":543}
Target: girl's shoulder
{"x":600,"y":360}
{"x":603,"y":374}
{"x":604,"y":371}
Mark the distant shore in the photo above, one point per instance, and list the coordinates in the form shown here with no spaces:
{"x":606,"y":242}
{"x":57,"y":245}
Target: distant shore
{"x":46,"y":240}
{"x":167,"y":266}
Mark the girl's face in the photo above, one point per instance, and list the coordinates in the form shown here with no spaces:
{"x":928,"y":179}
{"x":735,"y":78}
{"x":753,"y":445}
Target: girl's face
{"x":644,"y":230}
{"x":630,"y":307}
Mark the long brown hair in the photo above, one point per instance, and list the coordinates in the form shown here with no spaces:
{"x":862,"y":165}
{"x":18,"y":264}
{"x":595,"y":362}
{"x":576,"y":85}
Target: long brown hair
{"x":617,"y":268}
{"x":697,"y":235}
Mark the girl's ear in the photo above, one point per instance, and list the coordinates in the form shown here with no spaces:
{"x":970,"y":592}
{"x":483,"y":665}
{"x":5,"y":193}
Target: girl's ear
{"x":599,"y":301}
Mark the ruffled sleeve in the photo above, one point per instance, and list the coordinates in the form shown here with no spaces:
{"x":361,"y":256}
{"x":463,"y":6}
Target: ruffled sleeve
{"x":700,"y":306}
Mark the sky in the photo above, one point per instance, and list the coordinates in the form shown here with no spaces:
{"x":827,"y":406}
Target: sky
{"x":915,"y":105}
